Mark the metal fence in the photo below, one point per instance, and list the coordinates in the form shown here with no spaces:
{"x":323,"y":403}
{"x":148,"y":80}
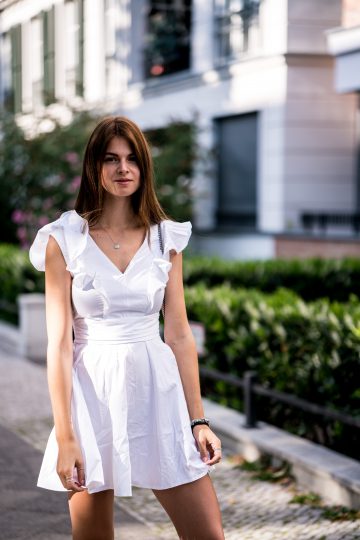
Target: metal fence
{"x":250,"y":389}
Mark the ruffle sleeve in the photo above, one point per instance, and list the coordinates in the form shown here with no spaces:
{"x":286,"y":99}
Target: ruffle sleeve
{"x":176,"y":235}
{"x":69,"y":230}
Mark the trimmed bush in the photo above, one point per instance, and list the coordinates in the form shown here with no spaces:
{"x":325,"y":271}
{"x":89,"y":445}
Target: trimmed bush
{"x":309,"y":278}
{"x":17,"y":276}
{"x":311,"y":350}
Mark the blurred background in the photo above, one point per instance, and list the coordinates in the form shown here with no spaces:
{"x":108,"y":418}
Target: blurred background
{"x":252,"y":108}
{"x":252,"y":111}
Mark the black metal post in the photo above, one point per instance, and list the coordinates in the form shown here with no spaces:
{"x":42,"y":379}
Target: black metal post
{"x":249,"y":399}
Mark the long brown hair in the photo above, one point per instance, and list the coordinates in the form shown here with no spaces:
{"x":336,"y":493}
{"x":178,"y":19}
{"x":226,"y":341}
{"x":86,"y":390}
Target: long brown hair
{"x":89,"y":202}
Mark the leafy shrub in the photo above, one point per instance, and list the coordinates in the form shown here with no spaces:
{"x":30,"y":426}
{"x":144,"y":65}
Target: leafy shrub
{"x":40,"y":174}
{"x":174,"y":149}
{"x":309,"y":278}
{"x":17,"y":276}
{"x":310,"y":350}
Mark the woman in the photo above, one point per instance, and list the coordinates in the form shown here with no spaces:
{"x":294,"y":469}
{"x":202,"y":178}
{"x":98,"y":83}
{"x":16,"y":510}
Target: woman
{"x":127,"y":405}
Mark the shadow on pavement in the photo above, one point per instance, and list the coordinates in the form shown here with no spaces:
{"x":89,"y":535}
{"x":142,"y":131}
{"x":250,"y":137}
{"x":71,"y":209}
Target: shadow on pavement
{"x":29,"y":512}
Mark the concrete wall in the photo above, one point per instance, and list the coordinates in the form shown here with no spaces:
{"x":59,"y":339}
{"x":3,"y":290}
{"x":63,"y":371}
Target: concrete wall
{"x":304,"y":247}
{"x":233,"y":247}
{"x":307,"y":22}
{"x":320,"y":142}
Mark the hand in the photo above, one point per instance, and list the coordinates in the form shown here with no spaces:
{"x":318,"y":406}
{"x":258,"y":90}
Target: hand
{"x":70,"y":465}
{"x":207,"y":442}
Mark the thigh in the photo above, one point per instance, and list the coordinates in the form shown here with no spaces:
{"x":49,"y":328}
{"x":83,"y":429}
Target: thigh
{"x":194,"y":509}
{"x":92,"y":516}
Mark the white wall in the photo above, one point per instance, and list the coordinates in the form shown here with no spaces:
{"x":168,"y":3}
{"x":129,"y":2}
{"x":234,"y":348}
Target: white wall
{"x":347,"y":72}
{"x":271,"y":180}
{"x":94,"y":50}
{"x":232,"y":247}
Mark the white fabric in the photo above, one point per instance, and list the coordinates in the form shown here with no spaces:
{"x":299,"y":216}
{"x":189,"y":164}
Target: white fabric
{"x":128,"y":405}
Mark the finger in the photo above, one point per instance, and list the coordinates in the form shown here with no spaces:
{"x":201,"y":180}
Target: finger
{"x":80,"y":469}
{"x":215,"y":451}
{"x":71,"y":483}
{"x":215,"y":458}
{"x":203,"y":451}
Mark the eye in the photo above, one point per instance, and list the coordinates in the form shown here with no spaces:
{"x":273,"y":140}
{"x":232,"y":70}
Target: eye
{"x":132,"y":157}
{"x":110,"y":159}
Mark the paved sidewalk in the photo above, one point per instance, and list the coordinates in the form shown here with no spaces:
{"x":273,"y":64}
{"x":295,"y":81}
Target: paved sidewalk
{"x":251,"y":510}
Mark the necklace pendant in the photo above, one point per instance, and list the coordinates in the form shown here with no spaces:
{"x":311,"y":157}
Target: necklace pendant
{"x":116,"y":246}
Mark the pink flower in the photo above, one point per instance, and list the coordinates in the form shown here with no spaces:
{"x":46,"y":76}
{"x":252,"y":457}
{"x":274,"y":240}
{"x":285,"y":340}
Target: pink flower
{"x":43,"y":220}
{"x":75,"y":183}
{"x":48,"y":203}
{"x":72,"y":158}
{"x":18,"y":216}
{"x":21,"y":233}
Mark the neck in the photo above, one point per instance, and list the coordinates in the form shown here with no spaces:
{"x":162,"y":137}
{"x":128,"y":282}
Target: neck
{"x":117,"y":214}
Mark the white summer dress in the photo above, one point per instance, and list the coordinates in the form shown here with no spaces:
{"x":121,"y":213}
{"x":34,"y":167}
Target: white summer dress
{"x":128,"y":407}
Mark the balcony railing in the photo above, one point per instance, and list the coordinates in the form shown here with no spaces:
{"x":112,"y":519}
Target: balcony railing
{"x":323,"y":221}
{"x":237,"y":30}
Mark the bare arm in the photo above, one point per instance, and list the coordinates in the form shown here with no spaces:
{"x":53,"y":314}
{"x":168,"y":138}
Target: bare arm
{"x":178,"y":335}
{"x":60,"y":355}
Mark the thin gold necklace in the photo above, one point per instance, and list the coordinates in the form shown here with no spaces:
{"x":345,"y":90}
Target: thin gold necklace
{"x":116,"y":245}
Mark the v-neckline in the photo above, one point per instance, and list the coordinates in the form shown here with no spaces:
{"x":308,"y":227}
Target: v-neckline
{"x":110,"y":262}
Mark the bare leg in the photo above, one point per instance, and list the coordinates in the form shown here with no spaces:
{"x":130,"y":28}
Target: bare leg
{"x":194,"y":509}
{"x":92,"y":516}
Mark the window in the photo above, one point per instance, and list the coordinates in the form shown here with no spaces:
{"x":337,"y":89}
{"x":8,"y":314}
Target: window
{"x":7,"y":83}
{"x":236,"y":27}
{"x":74,"y":52}
{"x":16,"y":69}
{"x":168,"y":37}
{"x":237,"y":172}
{"x":49,"y":56}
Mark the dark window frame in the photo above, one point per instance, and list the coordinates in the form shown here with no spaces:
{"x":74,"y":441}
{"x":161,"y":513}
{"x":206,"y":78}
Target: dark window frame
{"x":48,"y":21}
{"x":15,"y":100}
{"x":159,"y":62}
{"x":225,"y":219}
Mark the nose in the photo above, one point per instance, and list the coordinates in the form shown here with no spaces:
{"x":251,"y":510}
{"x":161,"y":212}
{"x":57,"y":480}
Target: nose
{"x":122,"y":165}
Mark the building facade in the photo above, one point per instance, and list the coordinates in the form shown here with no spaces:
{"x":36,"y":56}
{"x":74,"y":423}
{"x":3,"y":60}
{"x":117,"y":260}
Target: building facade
{"x":279,"y":140}
{"x":344,"y":44}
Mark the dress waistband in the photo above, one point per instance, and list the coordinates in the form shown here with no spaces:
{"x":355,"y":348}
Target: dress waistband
{"x":121,"y":330}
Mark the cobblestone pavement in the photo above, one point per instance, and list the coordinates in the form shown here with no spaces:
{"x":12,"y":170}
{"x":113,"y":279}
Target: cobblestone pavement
{"x":251,"y":509}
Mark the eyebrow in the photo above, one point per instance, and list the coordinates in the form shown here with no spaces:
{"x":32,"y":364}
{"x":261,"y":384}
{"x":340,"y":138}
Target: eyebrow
{"x":116,"y":155}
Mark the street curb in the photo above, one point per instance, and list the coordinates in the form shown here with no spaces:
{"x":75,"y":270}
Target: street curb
{"x":332,"y":475}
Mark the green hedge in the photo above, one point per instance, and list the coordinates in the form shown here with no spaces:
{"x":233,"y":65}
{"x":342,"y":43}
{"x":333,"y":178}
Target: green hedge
{"x":17,"y":276}
{"x":309,"y":278}
{"x":311,"y":350}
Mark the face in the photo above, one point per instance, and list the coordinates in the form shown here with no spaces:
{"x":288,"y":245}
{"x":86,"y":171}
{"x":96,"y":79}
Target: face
{"x":120,"y":170}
